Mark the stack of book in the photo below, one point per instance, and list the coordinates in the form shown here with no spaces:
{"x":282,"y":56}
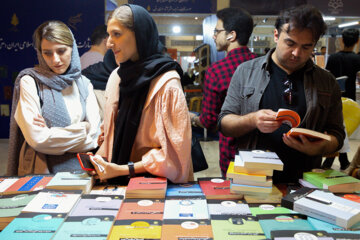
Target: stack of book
{"x":146,"y":187}
{"x":251,"y":172}
{"x":71,"y":181}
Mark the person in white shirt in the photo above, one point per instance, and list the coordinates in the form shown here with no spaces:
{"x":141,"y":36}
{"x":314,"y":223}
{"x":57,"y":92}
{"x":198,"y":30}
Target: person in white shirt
{"x":54,"y":111}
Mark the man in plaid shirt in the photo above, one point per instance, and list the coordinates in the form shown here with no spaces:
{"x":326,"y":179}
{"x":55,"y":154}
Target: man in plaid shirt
{"x":231,"y":34}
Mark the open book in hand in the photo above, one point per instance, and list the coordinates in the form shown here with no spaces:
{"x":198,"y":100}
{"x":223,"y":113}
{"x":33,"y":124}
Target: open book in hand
{"x":292,"y":119}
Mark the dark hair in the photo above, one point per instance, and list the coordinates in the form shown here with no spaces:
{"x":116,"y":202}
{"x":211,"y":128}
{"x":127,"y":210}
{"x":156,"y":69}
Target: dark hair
{"x":322,"y":47}
{"x":302,"y":17}
{"x":238,"y":20}
{"x":350,"y":37}
{"x":98,"y":35}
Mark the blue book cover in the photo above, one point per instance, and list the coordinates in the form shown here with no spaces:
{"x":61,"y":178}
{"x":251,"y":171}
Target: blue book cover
{"x":186,"y":208}
{"x":272,"y":222}
{"x":85,"y":227}
{"x":184,"y":189}
{"x":97,"y":205}
{"x":230,"y":207}
{"x":33,"y":226}
{"x":331,"y":228}
{"x":31,"y":183}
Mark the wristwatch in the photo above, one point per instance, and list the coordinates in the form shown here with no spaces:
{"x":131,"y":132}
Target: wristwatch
{"x":131,"y":169}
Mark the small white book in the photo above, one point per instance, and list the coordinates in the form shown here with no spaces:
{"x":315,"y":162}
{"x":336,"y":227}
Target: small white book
{"x":71,"y":181}
{"x":261,"y":159}
{"x":239,"y":166}
{"x":267,"y":183}
{"x":53,"y":201}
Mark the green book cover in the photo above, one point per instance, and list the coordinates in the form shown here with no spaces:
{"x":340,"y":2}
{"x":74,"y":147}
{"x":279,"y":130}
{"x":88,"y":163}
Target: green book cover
{"x":11,"y":205}
{"x":268,"y":208}
{"x":330,"y":179}
{"x":236,"y":227}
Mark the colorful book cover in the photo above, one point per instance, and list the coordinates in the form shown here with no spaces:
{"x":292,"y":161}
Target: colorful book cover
{"x":136,"y":229}
{"x":53,"y":201}
{"x":244,"y":176}
{"x":141,"y":209}
{"x":189,"y":189}
{"x":272,"y":222}
{"x":217,"y":188}
{"x":33,"y":226}
{"x":11,"y":205}
{"x":268,"y":208}
{"x":300,"y":234}
{"x":97,"y":205}
{"x":146,"y":187}
{"x":71,"y":181}
{"x":236,"y":227}
{"x":240,"y":167}
{"x":289,"y":117}
{"x":228,"y":207}
{"x":28,"y":184}
{"x":331,"y":228}
{"x":186,"y":208}
{"x":333,"y":180}
{"x":6,"y":182}
{"x":85,"y":227}
{"x":261,"y":159}
{"x":175,"y":229}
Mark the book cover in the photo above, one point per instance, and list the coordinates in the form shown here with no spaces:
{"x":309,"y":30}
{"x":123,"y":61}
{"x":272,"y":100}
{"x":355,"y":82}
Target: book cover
{"x":352,"y":197}
{"x":228,"y":207}
{"x":71,"y":181}
{"x":332,"y":228}
{"x":261,"y":159}
{"x":328,"y":207}
{"x":33,"y":226}
{"x":186,"y":208}
{"x":132,"y":208}
{"x":311,"y":135}
{"x":28,"y":184}
{"x":244,"y":176}
{"x":273,"y":197}
{"x":189,"y":189}
{"x":53,"y":201}
{"x":85,"y":227}
{"x":108,"y":190}
{"x":272,"y":222}
{"x":335,"y":181}
{"x":146,"y":187}
{"x":300,"y":234}
{"x":288,"y":117}
{"x":345,"y":236}
{"x":6,"y":182}
{"x":267,"y":208}
{"x":136,"y":229}
{"x":236,"y":227}
{"x":217,"y":188}
{"x":186,"y":229}
{"x":246,"y":189}
{"x":97,"y":205}
{"x":239,"y":166}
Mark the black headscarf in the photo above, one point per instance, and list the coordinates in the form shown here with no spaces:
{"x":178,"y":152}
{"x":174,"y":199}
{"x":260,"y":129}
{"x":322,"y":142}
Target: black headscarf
{"x":99,"y":73}
{"x":135,"y":82}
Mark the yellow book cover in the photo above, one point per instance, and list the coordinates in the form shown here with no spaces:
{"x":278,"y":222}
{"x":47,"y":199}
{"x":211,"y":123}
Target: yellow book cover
{"x":135,"y":229}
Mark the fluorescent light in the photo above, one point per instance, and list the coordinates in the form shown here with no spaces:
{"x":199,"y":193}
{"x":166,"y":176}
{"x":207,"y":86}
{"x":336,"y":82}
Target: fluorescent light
{"x":176,"y":29}
{"x":196,"y":18}
{"x":199,"y":37}
{"x":329,"y":18}
{"x":348,"y":24}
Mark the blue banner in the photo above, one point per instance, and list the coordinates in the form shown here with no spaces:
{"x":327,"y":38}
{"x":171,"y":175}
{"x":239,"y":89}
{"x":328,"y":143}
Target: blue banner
{"x":177,"y":6}
{"x":19,"y":19}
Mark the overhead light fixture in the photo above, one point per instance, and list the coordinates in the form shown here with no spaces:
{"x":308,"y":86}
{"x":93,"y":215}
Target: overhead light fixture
{"x":327,"y":18}
{"x":176,"y":29}
{"x":348,"y":24}
{"x":196,"y":18}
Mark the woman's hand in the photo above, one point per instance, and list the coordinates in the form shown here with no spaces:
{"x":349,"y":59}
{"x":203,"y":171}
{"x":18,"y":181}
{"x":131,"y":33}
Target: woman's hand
{"x":106,"y":170}
{"x":100,"y":139}
{"x":39,"y":121}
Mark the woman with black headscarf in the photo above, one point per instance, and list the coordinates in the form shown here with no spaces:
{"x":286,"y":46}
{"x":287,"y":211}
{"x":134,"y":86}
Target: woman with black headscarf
{"x":146,"y":125}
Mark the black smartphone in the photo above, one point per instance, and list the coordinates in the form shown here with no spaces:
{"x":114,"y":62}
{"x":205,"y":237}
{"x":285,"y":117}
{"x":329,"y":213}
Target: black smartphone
{"x":85,"y":162}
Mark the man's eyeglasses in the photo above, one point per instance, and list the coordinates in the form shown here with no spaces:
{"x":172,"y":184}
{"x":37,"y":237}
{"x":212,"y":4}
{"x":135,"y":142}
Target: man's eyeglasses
{"x":289,"y":93}
{"x":217,"y":31}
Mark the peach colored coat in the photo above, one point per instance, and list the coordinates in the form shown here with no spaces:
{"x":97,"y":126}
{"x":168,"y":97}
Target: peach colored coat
{"x":163,"y":141}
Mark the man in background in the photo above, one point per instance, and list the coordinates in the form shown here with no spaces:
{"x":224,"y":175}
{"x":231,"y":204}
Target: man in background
{"x":231,"y":34}
{"x":286,"y":78}
{"x":98,"y":47}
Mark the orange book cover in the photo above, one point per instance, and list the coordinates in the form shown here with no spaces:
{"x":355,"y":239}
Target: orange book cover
{"x":42,"y":183}
{"x":17,"y":185}
{"x":147,"y":183}
{"x":141,"y":209}
{"x":288,"y":117}
{"x":217,"y":188}
{"x":309,"y":134}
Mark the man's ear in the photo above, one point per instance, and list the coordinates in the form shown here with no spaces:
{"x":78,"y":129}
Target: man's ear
{"x":276,"y":35}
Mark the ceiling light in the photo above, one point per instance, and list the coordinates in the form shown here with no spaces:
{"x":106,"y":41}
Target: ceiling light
{"x":329,"y":18}
{"x":348,"y":24}
{"x":176,"y":29}
{"x":196,"y":18}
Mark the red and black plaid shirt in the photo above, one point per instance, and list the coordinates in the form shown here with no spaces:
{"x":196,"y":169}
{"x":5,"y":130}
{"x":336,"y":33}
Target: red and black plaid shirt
{"x":216,"y":83}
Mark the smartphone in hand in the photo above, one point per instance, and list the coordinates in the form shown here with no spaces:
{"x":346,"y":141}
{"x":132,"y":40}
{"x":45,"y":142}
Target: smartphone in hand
{"x":85,"y":162}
